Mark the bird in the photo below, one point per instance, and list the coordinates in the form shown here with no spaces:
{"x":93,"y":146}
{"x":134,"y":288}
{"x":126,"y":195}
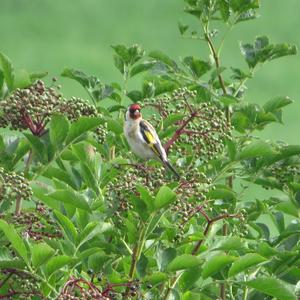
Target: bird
{"x":143,"y":139}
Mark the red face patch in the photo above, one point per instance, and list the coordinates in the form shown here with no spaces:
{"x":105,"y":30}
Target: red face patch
{"x":134,"y":107}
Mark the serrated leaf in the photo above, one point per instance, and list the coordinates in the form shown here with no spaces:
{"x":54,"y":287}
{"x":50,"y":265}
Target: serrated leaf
{"x":82,"y":126}
{"x":256,"y":149}
{"x":276,"y":104}
{"x":245,"y":262}
{"x":40,"y":254}
{"x":272,"y":287}
{"x":14,"y":238}
{"x":182,"y":262}
{"x":67,"y":225}
{"x":77,"y":75}
{"x":163,"y":58}
{"x":59,"y":128}
{"x":70,"y":197}
{"x":196,"y":66}
{"x":231,"y":243}
{"x":142,"y":67}
{"x":164,"y":197}
{"x":57,"y":262}
{"x":215,"y":264}
{"x":224,"y":9}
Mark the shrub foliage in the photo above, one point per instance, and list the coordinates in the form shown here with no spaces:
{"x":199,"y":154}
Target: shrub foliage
{"x":82,"y":218}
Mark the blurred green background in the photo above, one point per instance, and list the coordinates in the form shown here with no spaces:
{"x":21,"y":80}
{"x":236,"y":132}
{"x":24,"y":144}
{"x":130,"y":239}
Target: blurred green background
{"x":48,"y":35}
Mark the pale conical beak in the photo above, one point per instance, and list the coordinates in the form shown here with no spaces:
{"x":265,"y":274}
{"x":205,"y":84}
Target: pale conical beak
{"x":137,"y":113}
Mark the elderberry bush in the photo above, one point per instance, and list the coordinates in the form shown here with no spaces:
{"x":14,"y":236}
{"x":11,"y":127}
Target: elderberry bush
{"x":81,"y":217}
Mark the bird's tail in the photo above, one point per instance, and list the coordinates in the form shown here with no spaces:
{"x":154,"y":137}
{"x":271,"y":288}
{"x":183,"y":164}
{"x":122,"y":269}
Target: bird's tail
{"x":166,"y":162}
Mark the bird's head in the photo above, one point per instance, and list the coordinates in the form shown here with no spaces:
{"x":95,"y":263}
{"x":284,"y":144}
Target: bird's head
{"x":133,"y":112}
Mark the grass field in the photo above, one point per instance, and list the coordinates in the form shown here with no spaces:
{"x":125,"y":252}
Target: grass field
{"x":47,"y":35}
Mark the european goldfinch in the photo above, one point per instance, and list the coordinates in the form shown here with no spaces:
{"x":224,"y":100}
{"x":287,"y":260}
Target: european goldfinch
{"x":142,"y":137}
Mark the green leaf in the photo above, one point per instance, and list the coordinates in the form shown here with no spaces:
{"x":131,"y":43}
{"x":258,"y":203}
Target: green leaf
{"x":164,"y":197}
{"x":228,"y":100}
{"x":256,"y":149}
{"x":215,"y":264}
{"x":171,"y":119}
{"x":222,"y":192}
{"x":189,"y":277}
{"x":231,"y":243}
{"x":67,"y":226}
{"x":59,"y":128}
{"x":119,"y":63}
{"x":40,"y":254}
{"x":182,"y":28}
{"x":276,"y":103}
{"x":243,"y":5}
{"x":12,"y":264}
{"x":114,"y":126}
{"x":8,"y":71}
{"x":196,"y":66}
{"x":21,"y":79}
{"x":70,"y":197}
{"x":135,"y":95}
{"x":146,"y":197}
{"x":190,"y":296}
{"x":78,"y":76}
{"x":160,"y":56}
{"x":81,"y":126}
{"x":141,"y":266}
{"x":129,"y":55}
{"x":57,"y":262}
{"x":164,"y":257}
{"x":272,"y":287}
{"x":38,"y":147}
{"x":183,"y":261}
{"x":142,"y":67}
{"x":15,"y":240}
{"x":224,"y":9}
{"x":245,"y":262}
{"x":37,"y":75}
{"x":247,"y":15}
{"x":288,"y":208}
{"x":156,"y":278}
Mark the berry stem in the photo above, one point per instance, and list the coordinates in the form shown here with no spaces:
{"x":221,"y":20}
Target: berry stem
{"x":216,"y":56}
{"x":179,"y":131}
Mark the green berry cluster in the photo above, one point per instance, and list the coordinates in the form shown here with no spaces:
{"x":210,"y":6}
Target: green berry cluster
{"x":192,"y":192}
{"x":205,"y":135}
{"x":22,"y":285}
{"x":120,"y":189}
{"x":36,"y":224}
{"x":32,"y":108}
{"x":205,"y":127}
{"x":29,"y":108}
{"x":75,"y":108}
{"x":13,"y":186}
{"x":284,"y":171}
{"x":173,"y":103}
